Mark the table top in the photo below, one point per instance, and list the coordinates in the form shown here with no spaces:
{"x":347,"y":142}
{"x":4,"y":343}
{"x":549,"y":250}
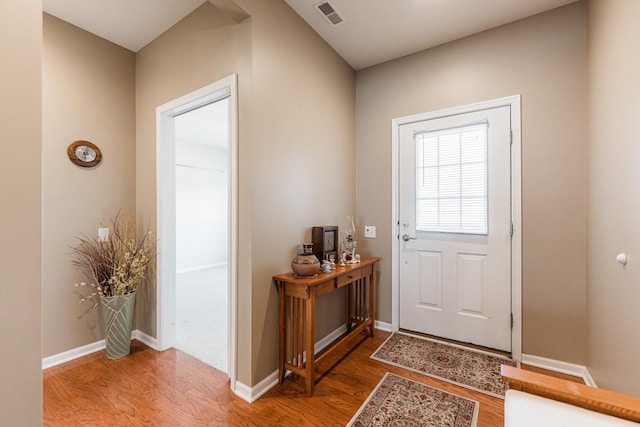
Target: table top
{"x":290,"y":276}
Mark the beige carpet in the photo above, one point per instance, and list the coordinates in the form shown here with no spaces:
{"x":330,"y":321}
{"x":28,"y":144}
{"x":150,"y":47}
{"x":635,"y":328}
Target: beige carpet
{"x":201,"y":316}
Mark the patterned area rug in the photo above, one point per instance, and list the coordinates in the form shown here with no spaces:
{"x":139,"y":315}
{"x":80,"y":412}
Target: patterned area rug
{"x":398,"y":401}
{"x":473,"y":369}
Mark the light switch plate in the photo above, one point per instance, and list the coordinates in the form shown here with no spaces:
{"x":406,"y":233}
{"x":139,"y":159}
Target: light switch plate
{"x":103,"y":234}
{"x":370,"y":231}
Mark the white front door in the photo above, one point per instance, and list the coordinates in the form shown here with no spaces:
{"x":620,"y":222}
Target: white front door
{"x":455,"y":227}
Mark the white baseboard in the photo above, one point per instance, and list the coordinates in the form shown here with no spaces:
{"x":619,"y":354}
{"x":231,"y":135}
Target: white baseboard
{"x":243,"y":391}
{"x":69,"y":355}
{"x":384,"y":326}
{"x":251,"y":394}
{"x":85,"y":350}
{"x":331,"y":337}
{"x":145,"y":339}
{"x":580,"y":371}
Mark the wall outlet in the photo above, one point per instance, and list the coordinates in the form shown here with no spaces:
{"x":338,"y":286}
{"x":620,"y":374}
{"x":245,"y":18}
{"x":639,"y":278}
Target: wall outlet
{"x":370,"y":231}
{"x":103,"y":234}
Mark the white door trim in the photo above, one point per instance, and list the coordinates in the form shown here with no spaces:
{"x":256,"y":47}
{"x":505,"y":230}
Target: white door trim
{"x":165,"y":184}
{"x":516,"y":208}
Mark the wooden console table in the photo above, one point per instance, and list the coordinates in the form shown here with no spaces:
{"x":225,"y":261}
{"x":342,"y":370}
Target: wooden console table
{"x":297,"y":298}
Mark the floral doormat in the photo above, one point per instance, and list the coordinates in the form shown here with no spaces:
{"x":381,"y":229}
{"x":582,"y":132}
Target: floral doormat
{"x":474,"y":369}
{"x":398,"y":401}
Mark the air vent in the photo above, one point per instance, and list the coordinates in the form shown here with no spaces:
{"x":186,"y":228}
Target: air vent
{"x":329,"y":12}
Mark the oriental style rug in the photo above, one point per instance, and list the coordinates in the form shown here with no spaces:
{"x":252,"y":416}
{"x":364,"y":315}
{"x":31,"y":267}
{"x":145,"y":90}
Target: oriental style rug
{"x":398,"y":401}
{"x":474,"y":369}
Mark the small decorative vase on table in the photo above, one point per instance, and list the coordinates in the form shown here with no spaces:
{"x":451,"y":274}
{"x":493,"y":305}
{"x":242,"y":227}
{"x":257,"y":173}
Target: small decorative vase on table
{"x":305,"y":264}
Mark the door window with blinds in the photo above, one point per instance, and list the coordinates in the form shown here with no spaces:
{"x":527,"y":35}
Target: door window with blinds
{"x":451,"y":180}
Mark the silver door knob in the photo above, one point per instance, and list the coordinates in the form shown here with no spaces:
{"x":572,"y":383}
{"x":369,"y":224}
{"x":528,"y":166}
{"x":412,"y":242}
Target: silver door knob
{"x":406,"y":238}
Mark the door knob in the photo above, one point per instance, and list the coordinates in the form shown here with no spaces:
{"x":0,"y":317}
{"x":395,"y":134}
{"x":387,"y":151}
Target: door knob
{"x":406,"y":238}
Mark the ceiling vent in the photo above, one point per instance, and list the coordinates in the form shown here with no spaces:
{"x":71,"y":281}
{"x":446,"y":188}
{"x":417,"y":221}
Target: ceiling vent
{"x":329,"y":12}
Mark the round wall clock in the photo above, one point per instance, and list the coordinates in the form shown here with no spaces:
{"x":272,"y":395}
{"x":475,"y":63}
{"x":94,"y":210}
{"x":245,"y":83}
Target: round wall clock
{"x":84,"y":153}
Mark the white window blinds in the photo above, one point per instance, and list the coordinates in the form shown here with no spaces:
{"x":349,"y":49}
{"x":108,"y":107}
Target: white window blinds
{"x":451,"y":180}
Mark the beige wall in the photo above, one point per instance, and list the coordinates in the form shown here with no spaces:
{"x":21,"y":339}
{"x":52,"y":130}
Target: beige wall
{"x":302,"y":161}
{"x":20,"y":216}
{"x":614,"y":194}
{"x":296,"y":98}
{"x":543,"y":58}
{"x":88,"y":94}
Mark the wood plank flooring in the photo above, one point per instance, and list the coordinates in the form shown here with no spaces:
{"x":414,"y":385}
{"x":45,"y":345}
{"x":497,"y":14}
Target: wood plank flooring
{"x":171,"y":388}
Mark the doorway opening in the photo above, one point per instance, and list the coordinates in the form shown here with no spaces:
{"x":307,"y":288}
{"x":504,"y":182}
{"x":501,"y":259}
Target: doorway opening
{"x":456,"y":266}
{"x":202,"y":146}
{"x":197,"y":225}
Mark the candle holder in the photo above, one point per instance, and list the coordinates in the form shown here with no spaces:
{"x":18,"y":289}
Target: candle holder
{"x":350,"y":243}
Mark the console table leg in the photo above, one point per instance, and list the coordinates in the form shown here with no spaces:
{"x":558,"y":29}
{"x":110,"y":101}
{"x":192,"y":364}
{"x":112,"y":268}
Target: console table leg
{"x":282,"y":332}
{"x":372,"y":302}
{"x":310,"y":339}
{"x":349,"y":306}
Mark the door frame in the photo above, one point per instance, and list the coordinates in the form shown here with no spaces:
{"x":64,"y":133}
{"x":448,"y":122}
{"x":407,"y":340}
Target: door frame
{"x":516,"y":207}
{"x":166,"y":205}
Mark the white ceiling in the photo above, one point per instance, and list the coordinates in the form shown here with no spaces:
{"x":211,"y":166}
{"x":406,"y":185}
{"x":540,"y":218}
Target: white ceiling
{"x":373,"y":31}
{"x":376,"y":31}
{"x":131,"y":24}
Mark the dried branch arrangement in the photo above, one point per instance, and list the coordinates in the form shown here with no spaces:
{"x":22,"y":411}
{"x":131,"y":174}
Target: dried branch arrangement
{"x":119,"y":264}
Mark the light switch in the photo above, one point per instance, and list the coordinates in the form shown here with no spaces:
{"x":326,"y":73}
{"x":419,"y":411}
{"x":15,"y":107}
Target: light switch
{"x":370,"y":231}
{"x":103,"y":234}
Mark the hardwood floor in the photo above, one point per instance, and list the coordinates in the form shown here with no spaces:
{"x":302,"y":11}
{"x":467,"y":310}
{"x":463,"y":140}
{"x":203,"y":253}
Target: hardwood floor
{"x":171,"y":388}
